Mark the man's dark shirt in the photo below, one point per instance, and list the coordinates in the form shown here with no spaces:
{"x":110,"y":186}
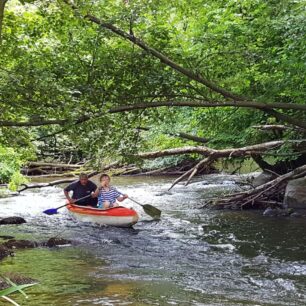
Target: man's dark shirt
{"x":80,"y":191}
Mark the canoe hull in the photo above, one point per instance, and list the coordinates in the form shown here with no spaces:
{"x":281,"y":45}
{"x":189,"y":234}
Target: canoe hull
{"x":117,"y":216}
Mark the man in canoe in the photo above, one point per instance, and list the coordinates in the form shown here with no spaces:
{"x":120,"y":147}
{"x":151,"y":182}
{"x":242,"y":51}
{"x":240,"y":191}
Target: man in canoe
{"x":81,"y":188}
{"x":107,"y":194}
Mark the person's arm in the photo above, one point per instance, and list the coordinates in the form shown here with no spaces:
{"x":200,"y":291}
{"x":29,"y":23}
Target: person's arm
{"x":96,"y":193}
{"x":121,"y":197}
{"x":67,"y":190}
{"x":69,"y":199}
{"x":94,"y":189}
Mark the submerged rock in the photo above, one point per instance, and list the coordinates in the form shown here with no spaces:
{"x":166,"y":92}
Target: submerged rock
{"x":269,"y":212}
{"x":6,"y":237}
{"x":12,"y":220}
{"x":4,"y":251}
{"x":20,"y":244}
{"x":15,"y":278}
{"x":296,"y":214}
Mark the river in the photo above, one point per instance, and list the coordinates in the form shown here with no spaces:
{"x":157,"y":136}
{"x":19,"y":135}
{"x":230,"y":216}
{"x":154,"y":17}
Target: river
{"x":192,"y":256}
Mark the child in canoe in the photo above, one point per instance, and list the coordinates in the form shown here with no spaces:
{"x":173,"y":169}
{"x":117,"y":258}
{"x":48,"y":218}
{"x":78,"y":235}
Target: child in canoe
{"x":108,"y":195}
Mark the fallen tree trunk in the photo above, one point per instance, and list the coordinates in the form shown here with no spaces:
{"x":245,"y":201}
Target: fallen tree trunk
{"x":54,"y":183}
{"x":64,"y":181}
{"x":75,"y":175}
{"x":212,"y":155}
{"x":53,"y":165}
{"x":231,"y":152}
{"x":41,"y":168}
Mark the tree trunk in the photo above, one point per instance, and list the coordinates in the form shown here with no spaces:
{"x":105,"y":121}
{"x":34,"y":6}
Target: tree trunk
{"x":2,"y":5}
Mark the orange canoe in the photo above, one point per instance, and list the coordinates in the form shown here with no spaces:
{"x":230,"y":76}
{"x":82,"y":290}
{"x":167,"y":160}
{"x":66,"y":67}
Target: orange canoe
{"x":116,"y":216}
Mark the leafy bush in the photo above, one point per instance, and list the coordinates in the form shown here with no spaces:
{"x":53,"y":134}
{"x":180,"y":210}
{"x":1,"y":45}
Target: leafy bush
{"x":16,"y":180}
{"x":10,"y":163}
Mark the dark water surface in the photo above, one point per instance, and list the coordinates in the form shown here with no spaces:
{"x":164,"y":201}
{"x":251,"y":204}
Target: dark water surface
{"x":193,"y":256}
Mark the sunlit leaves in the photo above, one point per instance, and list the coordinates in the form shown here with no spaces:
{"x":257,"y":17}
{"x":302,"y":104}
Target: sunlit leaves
{"x":56,"y":64}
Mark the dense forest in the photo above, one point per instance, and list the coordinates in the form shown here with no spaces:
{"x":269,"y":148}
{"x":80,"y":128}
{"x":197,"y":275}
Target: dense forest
{"x":152,"y":82}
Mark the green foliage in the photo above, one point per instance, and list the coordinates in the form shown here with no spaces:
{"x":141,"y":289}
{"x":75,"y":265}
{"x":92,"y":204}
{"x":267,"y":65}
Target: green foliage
{"x":10,"y":163}
{"x":16,"y":180}
{"x":169,"y":161}
{"x":56,"y":65}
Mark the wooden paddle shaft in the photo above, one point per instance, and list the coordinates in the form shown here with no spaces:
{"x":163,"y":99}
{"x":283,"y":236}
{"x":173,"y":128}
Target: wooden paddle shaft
{"x":135,"y":201}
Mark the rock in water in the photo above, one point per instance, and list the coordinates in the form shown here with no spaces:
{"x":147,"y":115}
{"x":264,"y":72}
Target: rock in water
{"x":52,"y":242}
{"x":12,"y":220}
{"x":16,"y":278}
{"x":6,"y":237}
{"x":4,"y":251}
{"x":20,"y":244}
{"x":295,"y":194}
{"x":269,"y":212}
{"x":263,"y":178}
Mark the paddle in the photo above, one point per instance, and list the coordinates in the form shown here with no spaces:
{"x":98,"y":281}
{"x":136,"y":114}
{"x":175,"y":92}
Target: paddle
{"x":149,"y":210}
{"x":53,"y":211}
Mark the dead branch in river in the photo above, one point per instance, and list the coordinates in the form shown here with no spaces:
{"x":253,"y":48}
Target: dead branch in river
{"x":262,"y":194}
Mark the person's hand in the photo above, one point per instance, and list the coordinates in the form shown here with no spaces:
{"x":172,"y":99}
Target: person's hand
{"x":125,"y":196}
{"x":71,"y":201}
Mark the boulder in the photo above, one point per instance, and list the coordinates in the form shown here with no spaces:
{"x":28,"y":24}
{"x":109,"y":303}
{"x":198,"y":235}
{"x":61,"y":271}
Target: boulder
{"x":263,"y":178}
{"x":295,"y":194}
{"x":12,"y":220}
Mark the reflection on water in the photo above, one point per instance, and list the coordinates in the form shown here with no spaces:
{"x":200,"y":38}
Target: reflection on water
{"x":192,"y":256}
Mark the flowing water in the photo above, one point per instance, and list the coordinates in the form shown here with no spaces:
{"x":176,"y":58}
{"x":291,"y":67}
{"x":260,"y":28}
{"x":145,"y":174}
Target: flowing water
{"x":193,"y":256}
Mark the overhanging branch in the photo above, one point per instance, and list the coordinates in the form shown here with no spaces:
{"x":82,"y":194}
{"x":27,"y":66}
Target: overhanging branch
{"x":269,"y":108}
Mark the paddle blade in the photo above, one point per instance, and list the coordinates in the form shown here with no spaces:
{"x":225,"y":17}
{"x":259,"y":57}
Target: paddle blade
{"x":51,"y":211}
{"x":152,"y":211}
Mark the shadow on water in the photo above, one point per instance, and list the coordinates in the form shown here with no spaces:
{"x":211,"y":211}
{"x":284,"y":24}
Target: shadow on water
{"x":190,"y":257}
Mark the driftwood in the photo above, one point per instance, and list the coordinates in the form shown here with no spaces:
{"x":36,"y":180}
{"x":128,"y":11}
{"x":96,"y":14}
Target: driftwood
{"x":263,"y":195}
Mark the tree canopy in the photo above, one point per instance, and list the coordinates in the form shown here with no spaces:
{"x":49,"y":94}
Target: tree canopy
{"x":109,"y":79}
